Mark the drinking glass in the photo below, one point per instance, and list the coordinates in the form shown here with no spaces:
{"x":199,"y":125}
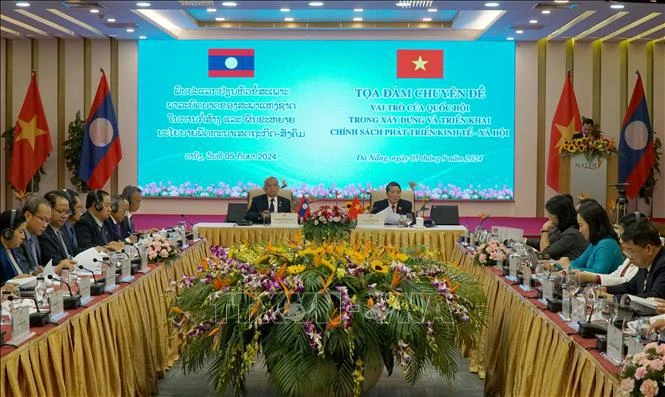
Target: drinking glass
{"x":540,"y":272}
{"x":572,"y":284}
{"x":265,"y":216}
{"x":607,"y":309}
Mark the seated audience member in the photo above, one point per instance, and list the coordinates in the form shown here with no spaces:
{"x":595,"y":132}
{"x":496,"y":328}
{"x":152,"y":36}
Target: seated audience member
{"x":37,"y":213}
{"x":603,"y":254}
{"x":115,"y":223}
{"x":12,"y":233}
{"x":623,"y":273}
{"x":393,"y":206}
{"x":134,"y":196}
{"x":269,"y":202}
{"x":51,"y":242}
{"x":90,"y":230}
{"x":640,"y":241}
{"x":75,"y":212}
{"x":560,"y":235}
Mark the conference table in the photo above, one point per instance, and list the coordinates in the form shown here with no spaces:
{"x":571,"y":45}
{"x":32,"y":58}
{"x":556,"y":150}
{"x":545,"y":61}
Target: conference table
{"x":526,"y":350}
{"x":119,"y":344}
{"x":440,"y":239}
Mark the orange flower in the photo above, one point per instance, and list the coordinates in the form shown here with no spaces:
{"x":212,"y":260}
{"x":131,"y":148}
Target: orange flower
{"x":396,"y":279}
{"x":176,"y":309}
{"x":370,"y":302}
{"x":214,"y":331}
{"x":335,"y":322}
{"x":218,"y":283}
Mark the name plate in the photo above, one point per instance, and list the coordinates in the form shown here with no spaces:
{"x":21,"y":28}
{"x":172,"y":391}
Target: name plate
{"x":614,"y":344}
{"x":565,"y":306}
{"x":548,"y":289}
{"x":284,"y":219}
{"x":109,"y":274}
{"x":371,"y":220}
{"x":526,"y":272}
{"x":512,"y":267}
{"x":56,"y":306}
{"x":126,"y":270}
{"x":20,"y":325}
{"x":84,"y":289}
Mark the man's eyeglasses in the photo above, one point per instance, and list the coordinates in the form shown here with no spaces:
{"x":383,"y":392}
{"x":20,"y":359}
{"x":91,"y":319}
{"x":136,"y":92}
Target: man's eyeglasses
{"x":62,"y":212}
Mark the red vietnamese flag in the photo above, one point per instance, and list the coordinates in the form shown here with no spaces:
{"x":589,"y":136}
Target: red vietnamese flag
{"x":32,"y":139}
{"x":423,"y":64}
{"x":565,"y":124}
{"x":356,"y":208}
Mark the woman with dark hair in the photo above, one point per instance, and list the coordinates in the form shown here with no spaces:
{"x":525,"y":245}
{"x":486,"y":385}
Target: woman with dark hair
{"x":560,"y":235}
{"x":603,"y":255}
{"x":12,"y":233}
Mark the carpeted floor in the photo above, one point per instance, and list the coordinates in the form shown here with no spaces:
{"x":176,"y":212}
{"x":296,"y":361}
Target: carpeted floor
{"x":176,"y":384}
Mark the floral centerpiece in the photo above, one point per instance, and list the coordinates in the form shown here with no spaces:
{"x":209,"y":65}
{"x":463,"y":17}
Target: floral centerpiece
{"x":326,"y":317}
{"x":488,"y":254}
{"x":327,"y":223}
{"x":161,"y":250}
{"x":644,"y":373}
{"x":592,"y":147}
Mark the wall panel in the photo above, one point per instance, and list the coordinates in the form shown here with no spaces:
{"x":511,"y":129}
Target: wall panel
{"x":583,"y":77}
{"x":73,"y":88}
{"x":4,"y":123}
{"x":47,"y":74}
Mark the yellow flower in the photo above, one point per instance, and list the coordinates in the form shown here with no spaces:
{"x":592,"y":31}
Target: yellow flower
{"x":379,"y":266}
{"x":340,"y":273}
{"x":295,"y":269}
{"x":329,"y":264}
{"x":393,"y":302}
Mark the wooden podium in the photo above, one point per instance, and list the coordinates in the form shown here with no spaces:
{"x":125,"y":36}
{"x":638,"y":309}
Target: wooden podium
{"x":591,"y":176}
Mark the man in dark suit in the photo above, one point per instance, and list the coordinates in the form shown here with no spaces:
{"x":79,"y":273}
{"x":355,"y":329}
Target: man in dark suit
{"x":115,"y":224}
{"x":641,"y":243}
{"x":51,"y":241}
{"x":75,"y":212}
{"x":90,"y":231}
{"x":134,"y":196}
{"x":269,"y":202}
{"x":37,"y":213}
{"x":393,"y":205}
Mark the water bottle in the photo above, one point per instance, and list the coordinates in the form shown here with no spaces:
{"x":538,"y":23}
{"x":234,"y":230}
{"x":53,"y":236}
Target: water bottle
{"x":40,"y":291}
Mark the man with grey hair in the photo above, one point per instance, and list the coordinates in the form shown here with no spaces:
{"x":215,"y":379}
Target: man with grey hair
{"x":115,"y":224}
{"x":269,"y":202}
{"x":134,"y":195}
{"x":37,"y":212}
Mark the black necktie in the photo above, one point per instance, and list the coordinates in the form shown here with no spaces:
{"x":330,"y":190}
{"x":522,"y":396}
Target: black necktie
{"x":272,"y":205}
{"x":393,"y":208}
{"x":646,"y":279}
{"x":62,"y":242}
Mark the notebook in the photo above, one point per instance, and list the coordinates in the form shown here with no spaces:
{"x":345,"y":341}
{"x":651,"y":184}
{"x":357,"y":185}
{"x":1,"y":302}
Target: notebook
{"x":445,"y":215}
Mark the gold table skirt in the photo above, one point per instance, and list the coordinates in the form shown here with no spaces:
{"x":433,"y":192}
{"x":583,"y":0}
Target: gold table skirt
{"x":119,"y":346}
{"x":440,"y":240}
{"x":522,"y":352}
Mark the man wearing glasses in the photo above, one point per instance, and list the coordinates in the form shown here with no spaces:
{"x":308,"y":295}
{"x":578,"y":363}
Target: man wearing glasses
{"x":51,"y":241}
{"x":37,"y":212}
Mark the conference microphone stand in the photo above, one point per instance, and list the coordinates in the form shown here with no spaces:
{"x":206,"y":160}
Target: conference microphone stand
{"x":68,"y":302}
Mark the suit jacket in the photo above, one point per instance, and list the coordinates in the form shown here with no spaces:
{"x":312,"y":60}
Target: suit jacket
{"x":51,"y":247}
{"x":403,"y":207}
{"x":24,"y":255}
{"x":7,"y":271}
{"x":260,"y":204}
{"x":128,"y":227}
{"x":655,"y":280}
{"x":72,"y":244}
{"x":89,"y":234}
{"x":115,"y":230}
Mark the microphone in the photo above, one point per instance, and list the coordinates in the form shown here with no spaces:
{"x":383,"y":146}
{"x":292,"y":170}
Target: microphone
{"x":71,"y":301}
{"x":38,"y":319}
{"x":96,"y":288}
{"x":188,"y":236}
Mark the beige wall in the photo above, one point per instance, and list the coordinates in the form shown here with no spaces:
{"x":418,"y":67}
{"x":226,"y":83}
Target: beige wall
{"x":84,"y":58}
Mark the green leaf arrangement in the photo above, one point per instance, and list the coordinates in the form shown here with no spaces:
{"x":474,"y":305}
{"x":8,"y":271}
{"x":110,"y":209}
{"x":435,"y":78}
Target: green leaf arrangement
{"x":326,"y":317}
{"x":72,"y":151}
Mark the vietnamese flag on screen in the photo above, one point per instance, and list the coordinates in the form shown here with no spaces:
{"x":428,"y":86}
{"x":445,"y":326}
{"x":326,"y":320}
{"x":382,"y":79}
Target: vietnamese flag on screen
{"x":230,"y":62}
{"x":420,"y":64}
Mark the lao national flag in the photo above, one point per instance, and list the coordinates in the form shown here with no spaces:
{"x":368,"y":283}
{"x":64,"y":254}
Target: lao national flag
{"x":636,"y":152}
{"x":423,"y":64}
{"x":231,"y":62}
{"x":303,"y":208}
{"x":100,"y":151}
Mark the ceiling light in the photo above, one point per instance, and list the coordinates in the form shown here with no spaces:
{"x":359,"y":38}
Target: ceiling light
{"x":403,"y":4}
{"x":315,"y":3}
{"x":143,"y":4}
{"x":94,"y":11}
{"x":511,"y":38}
{"x":533,"y":21}
{"x":220,"y":19}
{"x":358,"y":10}
{"x":285,"y":9}
{"x":427,"y":19}
{"x":110,"y":20}
{"x":229,"y":4}
{"x":130,"y":30}
{"x":561,"y":1}
{"x":211,"y":9}
{"x":288,"y":19}
{"x":357,"y":19}
{"x":22,"y":4}
{"x":491,"y":4}
{"x":546,"y":12}
{"x":143,"y":37}
{"x":617,"y":6}
{"x":432,"y":10}
{"x":519,"y":31}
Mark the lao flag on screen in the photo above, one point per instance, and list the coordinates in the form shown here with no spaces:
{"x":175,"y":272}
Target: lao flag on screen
{"x":303,"y":208}
{"x":100,"y":151}
{"x":636,"y":153}
{"x":423,"y":64}
{"x":230,"y":62}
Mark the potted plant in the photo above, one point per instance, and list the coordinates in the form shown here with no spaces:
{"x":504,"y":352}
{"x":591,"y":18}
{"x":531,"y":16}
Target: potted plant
{"x":72,"y":151}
